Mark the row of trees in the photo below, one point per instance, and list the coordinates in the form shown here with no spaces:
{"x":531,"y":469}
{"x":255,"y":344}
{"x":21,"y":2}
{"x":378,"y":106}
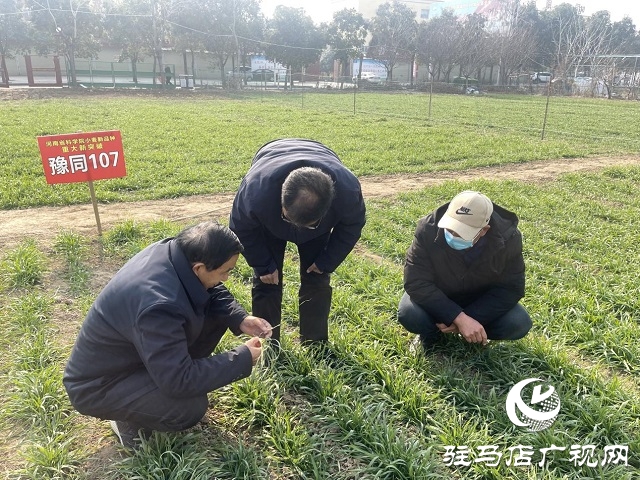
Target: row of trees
{"x":514,"y":39}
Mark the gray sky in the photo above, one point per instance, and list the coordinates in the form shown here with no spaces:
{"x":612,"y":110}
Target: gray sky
{"x":322,"y":10}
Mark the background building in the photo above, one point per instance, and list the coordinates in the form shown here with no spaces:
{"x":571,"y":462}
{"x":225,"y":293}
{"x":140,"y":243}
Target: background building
{"x":461,"y":8}
{"x":368,"y":8}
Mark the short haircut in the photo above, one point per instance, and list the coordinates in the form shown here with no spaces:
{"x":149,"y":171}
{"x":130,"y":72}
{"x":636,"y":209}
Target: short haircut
{"x":307,"y":195}
{"x":210,"y":243}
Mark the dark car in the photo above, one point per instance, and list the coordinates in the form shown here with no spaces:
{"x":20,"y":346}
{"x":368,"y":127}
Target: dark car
{"x":240,"y":72}
{"x":263,"y":75}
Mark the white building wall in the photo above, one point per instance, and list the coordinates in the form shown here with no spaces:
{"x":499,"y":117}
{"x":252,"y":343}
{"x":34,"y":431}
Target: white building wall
{"x":422,"y":8}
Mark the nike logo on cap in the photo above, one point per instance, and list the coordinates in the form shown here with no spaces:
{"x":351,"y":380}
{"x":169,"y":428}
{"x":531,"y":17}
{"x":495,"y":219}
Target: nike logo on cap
{"x":463,"y":211}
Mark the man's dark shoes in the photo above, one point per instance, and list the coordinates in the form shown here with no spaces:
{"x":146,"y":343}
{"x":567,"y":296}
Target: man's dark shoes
{"x":128,"y":434}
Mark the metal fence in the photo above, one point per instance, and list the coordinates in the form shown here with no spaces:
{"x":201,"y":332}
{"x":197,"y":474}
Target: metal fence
{"x":103,"y":74}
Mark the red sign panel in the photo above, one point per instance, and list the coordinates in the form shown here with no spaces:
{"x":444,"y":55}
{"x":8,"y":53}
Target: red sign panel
{"x":82,"y":157}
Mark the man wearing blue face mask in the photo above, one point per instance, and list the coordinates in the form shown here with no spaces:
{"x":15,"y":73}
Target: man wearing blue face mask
{"x":464,"y":273}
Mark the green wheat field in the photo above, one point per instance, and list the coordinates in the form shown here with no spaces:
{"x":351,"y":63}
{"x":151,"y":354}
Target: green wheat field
{"x":380,"y":411}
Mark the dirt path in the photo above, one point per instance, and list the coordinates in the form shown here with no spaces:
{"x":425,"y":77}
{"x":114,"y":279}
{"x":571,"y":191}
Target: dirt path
{"x":46,"y":222}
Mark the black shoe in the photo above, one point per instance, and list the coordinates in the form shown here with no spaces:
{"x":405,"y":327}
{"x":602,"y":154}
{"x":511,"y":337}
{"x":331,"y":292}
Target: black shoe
{"x":128,"y":434}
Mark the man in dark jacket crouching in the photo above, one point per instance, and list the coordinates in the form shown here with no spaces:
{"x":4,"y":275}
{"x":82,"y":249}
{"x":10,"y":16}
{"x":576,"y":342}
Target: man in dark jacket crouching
{"x":143,"y":355}
{"x":464,"y":273}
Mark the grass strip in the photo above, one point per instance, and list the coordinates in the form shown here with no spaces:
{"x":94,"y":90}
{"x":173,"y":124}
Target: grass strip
{"x":177,"y":146}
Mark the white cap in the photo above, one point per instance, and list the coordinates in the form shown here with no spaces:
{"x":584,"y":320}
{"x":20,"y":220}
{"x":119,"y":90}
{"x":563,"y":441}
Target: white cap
{"x":467,"y":214}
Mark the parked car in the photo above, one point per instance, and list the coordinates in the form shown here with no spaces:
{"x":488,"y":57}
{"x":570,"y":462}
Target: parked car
{"x":263,"y":75}
{"x":244,"y":72}
{"x":368,"y":77}
{"x":541,"y":77}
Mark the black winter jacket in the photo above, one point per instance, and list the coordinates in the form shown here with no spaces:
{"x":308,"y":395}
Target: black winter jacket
{"x":257,"y":205}
{"x":485,"y":281}
{"x":155,"y":315}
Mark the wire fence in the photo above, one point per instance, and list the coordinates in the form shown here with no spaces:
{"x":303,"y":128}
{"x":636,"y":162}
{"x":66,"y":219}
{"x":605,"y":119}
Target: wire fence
{"x":532,"y":115}
{"x":203,"y":74}
{"x":420,"y":101}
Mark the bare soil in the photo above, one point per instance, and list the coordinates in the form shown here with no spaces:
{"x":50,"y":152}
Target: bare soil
{"x":46,"y":222}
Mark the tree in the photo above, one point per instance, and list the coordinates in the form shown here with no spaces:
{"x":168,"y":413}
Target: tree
{"x":603,"y":42}
{"x":66,"y":27}
{"x":129,"y":26}
{"x":436,"y":44}
{"x":472,"y":48}
{"x":514,"y":39}
{"x":248,"y":30}
{"x":14,"y":30}
{"x":187,"y":31}
{"x":228,"y":29}
{"x":530,"y":25}
{"x":346,"y":36}
{"x":14,"y":34}
{"x":565,"y":26}
{"x":293,"y":39}
{"x":394,"y":30}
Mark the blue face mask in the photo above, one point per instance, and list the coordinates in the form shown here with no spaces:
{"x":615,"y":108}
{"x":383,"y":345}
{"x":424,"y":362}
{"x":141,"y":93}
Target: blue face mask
{"x":457,"y":243}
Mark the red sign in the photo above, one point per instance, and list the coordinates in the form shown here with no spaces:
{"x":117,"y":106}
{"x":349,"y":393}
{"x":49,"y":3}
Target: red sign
{"x":82,"y":157}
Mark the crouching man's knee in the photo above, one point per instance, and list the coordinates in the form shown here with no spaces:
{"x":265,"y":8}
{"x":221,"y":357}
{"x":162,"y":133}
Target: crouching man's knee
{"x":186,"y":414}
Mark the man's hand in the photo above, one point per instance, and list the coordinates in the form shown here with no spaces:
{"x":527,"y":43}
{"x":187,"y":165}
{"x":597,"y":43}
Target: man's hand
{"x":450,"y":329}
{"x":255,"y":347}
{"x":314,"y":269}
{"x":270,"y":278}
{"x":470,"y":329}
{"x":256,"y":327}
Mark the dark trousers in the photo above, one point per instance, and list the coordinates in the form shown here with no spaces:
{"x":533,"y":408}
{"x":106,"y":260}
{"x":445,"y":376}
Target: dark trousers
{"x":136,"y":399}
{"x":513,"y":325}
{"x":155,"y":411}
{"x":314,"y":295}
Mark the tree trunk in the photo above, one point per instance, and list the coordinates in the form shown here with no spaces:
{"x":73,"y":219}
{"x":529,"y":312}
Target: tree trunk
{"x":134,"y":68}
{"x":222,"y":62}
{"x":155,"y":65}
{"x":4,"y":78}
{"x":193,"y":68}
{"x":184,"y":62}
{"x":72,"y":64}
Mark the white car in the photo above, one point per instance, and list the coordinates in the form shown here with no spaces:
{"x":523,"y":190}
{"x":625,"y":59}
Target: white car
{"x":541,"y":77}
{"x":368,"y":77}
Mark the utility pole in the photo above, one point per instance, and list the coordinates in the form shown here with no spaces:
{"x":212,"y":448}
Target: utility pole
{"x":157,"y":42}
{"x":237,"y":55}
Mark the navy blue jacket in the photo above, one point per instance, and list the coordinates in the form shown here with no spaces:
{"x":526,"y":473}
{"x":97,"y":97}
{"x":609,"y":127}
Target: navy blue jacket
{"x":485,"y":281}
{"x":155,"y":315}
{"x":257,"y":206}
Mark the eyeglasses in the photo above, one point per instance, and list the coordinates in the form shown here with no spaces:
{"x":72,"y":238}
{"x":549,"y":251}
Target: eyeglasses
{"x":310,"y":227}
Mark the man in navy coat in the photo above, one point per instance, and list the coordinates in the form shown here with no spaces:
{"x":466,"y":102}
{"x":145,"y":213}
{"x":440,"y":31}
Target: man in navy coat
{"x":297,"y":191}
{"x":143,"y":357}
